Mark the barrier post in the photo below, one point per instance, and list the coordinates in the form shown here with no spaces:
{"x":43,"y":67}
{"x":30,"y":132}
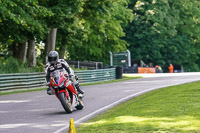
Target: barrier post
{"x":72,"y":126}
{"x":119,"y":72}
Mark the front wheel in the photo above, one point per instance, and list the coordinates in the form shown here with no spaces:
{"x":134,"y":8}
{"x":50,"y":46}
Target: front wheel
{"x":65,"y":102}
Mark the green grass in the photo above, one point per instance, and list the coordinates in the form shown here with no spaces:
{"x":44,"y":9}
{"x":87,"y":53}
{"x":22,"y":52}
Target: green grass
{"x":171,"y":109}
{"x":21,"y":91}
{"x":104,"y":82}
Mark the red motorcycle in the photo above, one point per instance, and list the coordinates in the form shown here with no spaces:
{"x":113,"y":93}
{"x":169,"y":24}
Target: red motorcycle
{"x":65,"y":91}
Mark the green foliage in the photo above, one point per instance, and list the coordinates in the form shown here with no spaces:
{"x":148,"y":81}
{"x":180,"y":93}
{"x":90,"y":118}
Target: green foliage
{"x":156,"y":31}
{"x":12,"y":65}
{"x":1,"y":65}
{"x":164,"y":32}
{"x":21,"y":20}
{"x":66,"y":18}
{"x":152,"y":24}
{"x":103,"y":22}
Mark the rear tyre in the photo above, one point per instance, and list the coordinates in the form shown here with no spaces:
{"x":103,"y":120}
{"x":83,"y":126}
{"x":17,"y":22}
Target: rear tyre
{"x":80,"y":105}
{"x":65,"y":103}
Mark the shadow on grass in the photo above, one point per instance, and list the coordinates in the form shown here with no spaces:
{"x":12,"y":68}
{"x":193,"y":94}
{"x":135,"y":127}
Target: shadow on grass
{"x":144,"y":124}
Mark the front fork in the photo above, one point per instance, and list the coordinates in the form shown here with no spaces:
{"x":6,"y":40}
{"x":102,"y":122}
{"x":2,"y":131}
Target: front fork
{"x":74,"y":96}
{"x":61,"y":91}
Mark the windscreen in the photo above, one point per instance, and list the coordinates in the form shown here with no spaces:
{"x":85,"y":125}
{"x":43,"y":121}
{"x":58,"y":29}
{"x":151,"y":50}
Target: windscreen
{"x":56,"y":75}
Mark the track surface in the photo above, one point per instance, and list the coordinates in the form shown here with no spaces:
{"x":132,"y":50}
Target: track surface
{"x":36,"y":112}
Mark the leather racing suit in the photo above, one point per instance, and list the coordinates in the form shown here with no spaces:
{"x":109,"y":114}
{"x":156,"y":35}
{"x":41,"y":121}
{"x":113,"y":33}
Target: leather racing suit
{"x":62,"y":64}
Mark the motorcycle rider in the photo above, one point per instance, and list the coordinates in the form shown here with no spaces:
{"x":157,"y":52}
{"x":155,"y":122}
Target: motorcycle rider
{"x":54,"y":63}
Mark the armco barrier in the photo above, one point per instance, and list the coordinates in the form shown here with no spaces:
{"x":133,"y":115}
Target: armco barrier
{"x":37,"y":80}
{"x":21,"y":81}
{"x":89,"y":76}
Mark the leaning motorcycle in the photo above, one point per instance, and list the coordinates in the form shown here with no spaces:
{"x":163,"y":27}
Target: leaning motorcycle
{"x":65,"y":91}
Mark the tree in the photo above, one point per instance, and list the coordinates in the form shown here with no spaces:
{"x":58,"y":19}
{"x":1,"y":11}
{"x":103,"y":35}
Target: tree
{"x":64,"y":16}
{"x":31,"y":55}
{"x":162,"y":31}
{"x":189,"y":13}
{"x":103,"y":22}
{"x":22,"y":21}
{"x":70,"y":32}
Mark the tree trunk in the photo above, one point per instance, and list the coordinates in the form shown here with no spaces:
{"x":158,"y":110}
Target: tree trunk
{"x":53,"y":39}
{"x":62,"y":49}
{"x":50,"y":42}
{"x":22,"y":51}
{"x":31,"y":54}
{"x":15,"y":50}
{"x":19,"y":51}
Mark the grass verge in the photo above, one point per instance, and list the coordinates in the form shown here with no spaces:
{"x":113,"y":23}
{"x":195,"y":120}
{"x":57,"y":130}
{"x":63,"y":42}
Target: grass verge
{"x":171,"y":109}
{"x":20,"y":91}
{"x":103,"y":82}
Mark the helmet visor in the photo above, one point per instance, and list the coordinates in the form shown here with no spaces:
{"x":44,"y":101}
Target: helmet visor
{"x":52,"y":59}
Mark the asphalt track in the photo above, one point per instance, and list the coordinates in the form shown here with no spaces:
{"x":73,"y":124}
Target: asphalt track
{"x":36,"y":112}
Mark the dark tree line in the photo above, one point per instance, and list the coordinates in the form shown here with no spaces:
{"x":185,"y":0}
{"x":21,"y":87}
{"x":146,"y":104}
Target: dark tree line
{"x":155,"y":31}
{"x":165,"y":31}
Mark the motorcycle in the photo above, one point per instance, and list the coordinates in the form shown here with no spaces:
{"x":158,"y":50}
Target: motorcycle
{"x":65,"y":91}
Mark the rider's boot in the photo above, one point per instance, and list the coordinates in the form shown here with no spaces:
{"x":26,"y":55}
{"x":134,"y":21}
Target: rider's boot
{"x":80,"y":91}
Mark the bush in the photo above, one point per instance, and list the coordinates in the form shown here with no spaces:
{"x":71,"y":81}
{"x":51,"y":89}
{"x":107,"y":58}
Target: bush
{"x":1,"y":65}
{"x":12,"y":65}
{"x":39,"y":68}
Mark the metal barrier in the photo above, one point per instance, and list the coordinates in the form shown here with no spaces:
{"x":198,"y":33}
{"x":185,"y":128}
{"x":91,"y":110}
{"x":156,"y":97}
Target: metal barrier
{"x":37,"y":80}
{"x":21,"y":81}
{"x":89,"y":76}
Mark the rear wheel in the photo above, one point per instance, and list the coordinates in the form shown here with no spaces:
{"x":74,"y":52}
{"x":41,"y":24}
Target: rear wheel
{"x":66,"y":103}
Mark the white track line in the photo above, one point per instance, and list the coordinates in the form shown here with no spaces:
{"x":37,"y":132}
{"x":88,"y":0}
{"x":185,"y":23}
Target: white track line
{"x":99,"y":111}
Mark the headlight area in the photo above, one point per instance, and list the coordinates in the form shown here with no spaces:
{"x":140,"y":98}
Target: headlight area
{"x":55,"y":87}
{"x":68,"y":83}
{"x":62,"y":84}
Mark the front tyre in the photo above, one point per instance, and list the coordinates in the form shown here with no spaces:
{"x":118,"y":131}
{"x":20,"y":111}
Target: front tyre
{"x":65,"y":102}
